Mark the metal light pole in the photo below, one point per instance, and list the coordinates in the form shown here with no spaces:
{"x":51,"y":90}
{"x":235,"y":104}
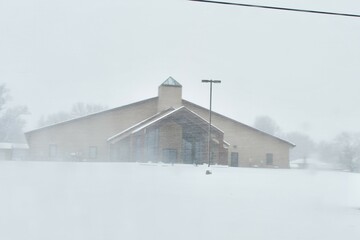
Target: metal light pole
{"x":209,"y":137}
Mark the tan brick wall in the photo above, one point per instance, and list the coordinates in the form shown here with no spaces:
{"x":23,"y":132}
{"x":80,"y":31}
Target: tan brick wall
{"x":169,"y":96}
{"x":78,"y":135}
{"x":251,"y":144}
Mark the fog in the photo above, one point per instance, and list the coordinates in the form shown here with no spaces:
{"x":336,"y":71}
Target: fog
{"x":291,"y":75}
{"x":300,"y":69}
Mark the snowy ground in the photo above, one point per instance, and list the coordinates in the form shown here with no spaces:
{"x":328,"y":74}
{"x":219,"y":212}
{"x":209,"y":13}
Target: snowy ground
{"x":108,"y":201}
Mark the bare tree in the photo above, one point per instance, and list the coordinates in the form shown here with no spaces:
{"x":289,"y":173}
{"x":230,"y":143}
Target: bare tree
{"x":343,"y":151}
{"x":81,"y":109}
{"x":3,"y":96}
{"x":267,"y":124}
{"x":11,"y":119}
{"x":349,"y":146}
{"x":78,"y":110}
{"x":305,"y":146}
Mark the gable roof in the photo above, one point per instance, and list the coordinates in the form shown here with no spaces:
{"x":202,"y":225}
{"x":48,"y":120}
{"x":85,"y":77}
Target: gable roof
{"x":91,"y":115}
{"x":169,"y":82}
{"x":237,"y":122}
{"x":181,"y":111}
{"x":129,"y":130}
{"x":8,"y":145}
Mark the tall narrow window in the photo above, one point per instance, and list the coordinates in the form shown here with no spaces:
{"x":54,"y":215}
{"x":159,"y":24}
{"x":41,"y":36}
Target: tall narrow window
{"x":269,"y":159}
{"x":138,"y":149}
{"x":52,"y":150}
{"x":93,"y":152}
{"x":186,"y":151}
{"x":152,"y":144}
{"x":234,"y":159}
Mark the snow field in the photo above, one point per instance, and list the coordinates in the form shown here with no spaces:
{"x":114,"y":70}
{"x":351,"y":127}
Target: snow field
{"x":94,"y":201}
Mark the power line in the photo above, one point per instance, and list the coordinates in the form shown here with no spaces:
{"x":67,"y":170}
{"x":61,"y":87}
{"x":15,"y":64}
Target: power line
{"x":278,"y":8}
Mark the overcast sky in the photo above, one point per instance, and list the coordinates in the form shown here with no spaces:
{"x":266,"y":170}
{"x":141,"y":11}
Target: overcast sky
{"x":302,"y":70}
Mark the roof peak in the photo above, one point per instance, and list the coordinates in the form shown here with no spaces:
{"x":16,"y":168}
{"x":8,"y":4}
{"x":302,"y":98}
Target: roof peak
{"x":170,"y":81}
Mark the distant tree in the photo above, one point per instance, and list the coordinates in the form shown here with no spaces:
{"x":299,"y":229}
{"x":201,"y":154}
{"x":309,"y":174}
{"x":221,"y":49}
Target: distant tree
{"x":267,"y":124}
{"x":328,"y":152}
{"x":53,"y":118}
{"x":81,"y":109}
{"x":3,"y":96}
{"x":349,"y":150}
{"x":78,"y":110}
{"x":305,"y":146}
{"x":343,"y":150}
{"x":11,"y":119}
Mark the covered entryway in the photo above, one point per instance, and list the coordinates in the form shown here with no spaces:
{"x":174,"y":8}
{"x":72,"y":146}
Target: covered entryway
{"x":174,"y":136}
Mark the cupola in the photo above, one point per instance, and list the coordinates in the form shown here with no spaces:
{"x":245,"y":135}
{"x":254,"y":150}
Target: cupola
{"x":170,"y":94}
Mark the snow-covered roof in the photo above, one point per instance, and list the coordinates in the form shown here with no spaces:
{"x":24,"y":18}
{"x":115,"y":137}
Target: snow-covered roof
{"x":170,"y":113}
{"x":91,"y":115}
{"x":185,"y":102}
{"x":155,"y":119}
{"x":130,"y":130}
{"x":6,"y":145}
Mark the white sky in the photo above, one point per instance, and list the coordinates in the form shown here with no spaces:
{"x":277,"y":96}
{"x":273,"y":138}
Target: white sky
{"x":300,"y":69}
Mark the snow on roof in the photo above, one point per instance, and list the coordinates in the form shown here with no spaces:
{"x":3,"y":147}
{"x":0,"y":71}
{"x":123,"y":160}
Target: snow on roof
{"x":235,"y":121}
{"x":152,"y":120}
{"x":226,"y":143}
{"x":90,"y":115}
{"x":172,"y":112}
{"x":138,"y":124}
{"x":6,"y":145}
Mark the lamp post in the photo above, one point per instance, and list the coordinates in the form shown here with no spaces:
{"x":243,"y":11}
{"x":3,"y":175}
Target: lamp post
{"x":209,"y":137}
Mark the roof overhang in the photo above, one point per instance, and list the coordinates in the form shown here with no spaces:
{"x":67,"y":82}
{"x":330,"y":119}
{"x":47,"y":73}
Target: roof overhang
{"x":181,"y":113}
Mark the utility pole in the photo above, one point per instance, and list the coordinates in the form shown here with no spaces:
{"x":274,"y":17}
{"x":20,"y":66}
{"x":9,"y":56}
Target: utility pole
{"x":209,"y":137}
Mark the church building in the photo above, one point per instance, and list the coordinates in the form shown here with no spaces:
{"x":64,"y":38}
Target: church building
{"x":165,"y":129}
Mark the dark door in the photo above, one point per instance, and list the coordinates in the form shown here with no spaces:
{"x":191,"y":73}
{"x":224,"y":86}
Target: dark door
{"x":234,"y":159}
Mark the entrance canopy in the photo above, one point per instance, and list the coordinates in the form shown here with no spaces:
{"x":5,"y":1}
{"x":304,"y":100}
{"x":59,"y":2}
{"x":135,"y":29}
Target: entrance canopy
{"x":174,"y":135}
{"x":182,"y":116}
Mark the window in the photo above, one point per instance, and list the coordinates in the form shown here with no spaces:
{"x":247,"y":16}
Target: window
{"x":186,"y":149}
{"x":52,"y":150}
{"x":169,"y":155}
{"x":138,"y":149}
{"x":152,"y":144}
{"x":92,"y":152}
{"x":269,"y":159}
{"x":234,"y":159}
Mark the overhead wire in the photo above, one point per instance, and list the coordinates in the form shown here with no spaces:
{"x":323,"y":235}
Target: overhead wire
{"x":279,"y":8}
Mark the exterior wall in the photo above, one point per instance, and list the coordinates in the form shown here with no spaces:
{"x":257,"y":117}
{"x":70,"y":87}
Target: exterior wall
{"x":13,"y":154}
{"x":169,"y":96}
{"x":74,"y":138}
{"x":250,"y":144}
{"x":171,"y":138}
{"x":5,"y":154}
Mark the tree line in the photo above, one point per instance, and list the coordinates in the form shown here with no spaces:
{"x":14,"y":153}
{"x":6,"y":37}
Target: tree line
{"x":342,"y":152}
{"x":12,"y":119}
